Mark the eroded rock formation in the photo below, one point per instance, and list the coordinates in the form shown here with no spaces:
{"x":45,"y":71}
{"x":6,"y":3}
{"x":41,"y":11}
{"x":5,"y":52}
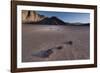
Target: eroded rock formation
{"x":31,"y":16}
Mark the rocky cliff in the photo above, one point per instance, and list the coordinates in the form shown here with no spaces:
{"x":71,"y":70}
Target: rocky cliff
{"x":31,"y":16}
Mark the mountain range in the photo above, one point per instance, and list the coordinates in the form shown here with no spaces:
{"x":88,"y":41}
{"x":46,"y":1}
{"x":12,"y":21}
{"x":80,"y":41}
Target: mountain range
{"x":32,"y":17}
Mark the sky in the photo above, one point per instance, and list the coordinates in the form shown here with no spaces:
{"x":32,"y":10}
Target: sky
{"x":71,"y":17}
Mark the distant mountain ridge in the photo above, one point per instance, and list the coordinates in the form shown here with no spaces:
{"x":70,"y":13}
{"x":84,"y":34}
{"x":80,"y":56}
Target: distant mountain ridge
{"x":79,"y":24}
{"x":32,"y":17}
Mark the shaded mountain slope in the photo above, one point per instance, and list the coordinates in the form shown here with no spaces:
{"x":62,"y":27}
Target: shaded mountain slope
{"x":52,"y":21}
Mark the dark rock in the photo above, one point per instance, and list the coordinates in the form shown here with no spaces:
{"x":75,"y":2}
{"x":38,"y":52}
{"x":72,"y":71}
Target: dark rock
{"x":59,"y":47}
{"x":68,"y":42}
{"x":43,"y":53}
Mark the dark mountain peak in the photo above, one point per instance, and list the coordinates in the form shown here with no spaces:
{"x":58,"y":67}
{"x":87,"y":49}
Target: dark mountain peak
{"x":54,"y":17}
{"x":52,"y":21}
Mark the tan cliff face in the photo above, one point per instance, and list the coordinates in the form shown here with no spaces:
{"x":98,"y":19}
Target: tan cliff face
{"x":31,"y":16}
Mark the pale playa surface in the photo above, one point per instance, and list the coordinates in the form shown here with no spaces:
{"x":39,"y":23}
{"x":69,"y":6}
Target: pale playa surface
{"x":43,"y":37}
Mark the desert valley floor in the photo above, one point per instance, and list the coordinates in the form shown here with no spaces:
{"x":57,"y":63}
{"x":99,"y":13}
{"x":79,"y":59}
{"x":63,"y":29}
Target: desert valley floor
{"x":36,"y":38}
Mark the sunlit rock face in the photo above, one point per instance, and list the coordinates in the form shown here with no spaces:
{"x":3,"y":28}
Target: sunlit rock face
{"x":31,"y":16}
